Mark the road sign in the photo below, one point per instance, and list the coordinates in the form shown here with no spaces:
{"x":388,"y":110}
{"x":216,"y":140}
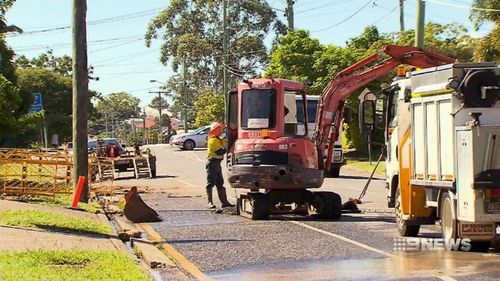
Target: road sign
{"x":37,"y":103}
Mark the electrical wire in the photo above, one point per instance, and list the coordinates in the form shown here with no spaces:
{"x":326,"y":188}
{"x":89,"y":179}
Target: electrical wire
{"x":464,"y":7}
{"x":386,"y":15}
{"x":346,"y":19}
{"x":94,"y":22}
{"x":321,"y":7}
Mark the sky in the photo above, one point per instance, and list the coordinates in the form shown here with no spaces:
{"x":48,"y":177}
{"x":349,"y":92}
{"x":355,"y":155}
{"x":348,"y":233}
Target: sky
{"x":116,"y":29}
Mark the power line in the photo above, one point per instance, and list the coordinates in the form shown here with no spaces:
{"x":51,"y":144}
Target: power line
{"x":386,"y":15}
{"x":346,"y":19}
{"x":94,"y":22}
{"x":321,"y":7}
{"x":464,"y":7}
{"x":59,"y":45}
{"x":116,"y":45}
{"x":134,"y":72}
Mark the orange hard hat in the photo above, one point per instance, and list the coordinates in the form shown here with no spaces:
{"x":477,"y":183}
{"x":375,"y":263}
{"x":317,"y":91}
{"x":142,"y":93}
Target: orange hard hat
{"x":215,"y":129}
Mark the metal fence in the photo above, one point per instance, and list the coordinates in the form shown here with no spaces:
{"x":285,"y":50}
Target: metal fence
{"x":48,"y":172}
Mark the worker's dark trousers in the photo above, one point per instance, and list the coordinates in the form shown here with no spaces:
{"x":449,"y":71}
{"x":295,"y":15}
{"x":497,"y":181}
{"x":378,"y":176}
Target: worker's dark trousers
{"x":215,"y":178}
{"x":214,"y":173}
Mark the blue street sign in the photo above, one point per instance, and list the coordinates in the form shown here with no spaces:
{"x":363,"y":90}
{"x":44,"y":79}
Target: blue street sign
{"x":37,"y":103}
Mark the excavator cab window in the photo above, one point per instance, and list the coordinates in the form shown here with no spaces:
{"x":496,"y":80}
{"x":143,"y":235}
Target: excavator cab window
{"x":232,"y":118}
{"x":258,"y":109}
{"x":294,"y":115}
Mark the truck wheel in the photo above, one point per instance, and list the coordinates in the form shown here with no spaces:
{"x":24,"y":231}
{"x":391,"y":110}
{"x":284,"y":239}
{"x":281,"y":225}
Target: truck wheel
{"x":260,"y":206}
{"x":328,"y":205}
{"x":189,"y":145}
{"x":334,"y":172}
{"x":448,"y":220}
{"x":403,"y":227}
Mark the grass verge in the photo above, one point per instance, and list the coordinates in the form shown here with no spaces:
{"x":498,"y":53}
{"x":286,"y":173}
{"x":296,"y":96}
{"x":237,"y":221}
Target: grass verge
{"x":65,"y":200}
{"x":69,"y":265}
{"x":54,"y":221}
{"x":366,"y":167}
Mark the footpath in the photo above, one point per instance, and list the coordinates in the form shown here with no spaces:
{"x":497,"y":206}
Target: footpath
{"x":18,"y":238}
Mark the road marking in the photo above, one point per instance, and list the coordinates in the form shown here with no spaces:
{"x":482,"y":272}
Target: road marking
{"x":366,"y":247}
{"x":195,"y":157}
{"x":187,"y":183}
{"x":181,"y":260}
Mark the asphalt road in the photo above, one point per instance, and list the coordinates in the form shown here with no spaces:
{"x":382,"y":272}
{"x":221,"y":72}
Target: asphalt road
{"x":287,"y":247}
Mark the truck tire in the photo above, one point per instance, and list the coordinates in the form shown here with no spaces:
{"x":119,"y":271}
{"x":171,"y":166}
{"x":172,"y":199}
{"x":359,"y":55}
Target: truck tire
{"x":403,"y":227}
{"x":448,"y":218}
{"x":189,"y":145}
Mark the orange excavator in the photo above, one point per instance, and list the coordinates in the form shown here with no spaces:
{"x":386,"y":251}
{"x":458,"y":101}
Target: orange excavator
{"x":270,"y":154}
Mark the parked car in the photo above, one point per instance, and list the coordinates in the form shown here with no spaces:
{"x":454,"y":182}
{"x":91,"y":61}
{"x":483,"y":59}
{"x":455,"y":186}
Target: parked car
{"x":189,"y":141}
{"x":93,"y":145}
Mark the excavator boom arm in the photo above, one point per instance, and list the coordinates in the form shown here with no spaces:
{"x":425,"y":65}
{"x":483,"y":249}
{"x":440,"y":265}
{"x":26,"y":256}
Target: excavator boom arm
{"x":353,"y":78}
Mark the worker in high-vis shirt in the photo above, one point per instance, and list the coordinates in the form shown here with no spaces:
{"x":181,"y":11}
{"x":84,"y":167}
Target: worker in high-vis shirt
{"x":216,"y":150}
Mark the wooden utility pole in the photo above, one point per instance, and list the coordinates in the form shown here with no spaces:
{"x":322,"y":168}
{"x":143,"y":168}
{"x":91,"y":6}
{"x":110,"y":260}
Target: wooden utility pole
{"x":80,"y":96}
{"x":224,"y":51}
{"x":420,"y":26}
{"x":401,"y":15}
{"x":289,"y":14}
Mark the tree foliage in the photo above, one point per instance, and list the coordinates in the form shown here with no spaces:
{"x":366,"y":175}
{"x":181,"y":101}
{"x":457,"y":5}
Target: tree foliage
{"x":61,"y":65}
{"x":158,"y":102}
{"x":56,"y":93}
{"x":209,"y":108}
{"x":488,"y":47}
{"x":192,"y":33}
{"x":119,"y":106}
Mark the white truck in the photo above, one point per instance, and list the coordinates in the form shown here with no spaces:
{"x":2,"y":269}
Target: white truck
{"x":338,"y":159}
{"x":443,"y":155}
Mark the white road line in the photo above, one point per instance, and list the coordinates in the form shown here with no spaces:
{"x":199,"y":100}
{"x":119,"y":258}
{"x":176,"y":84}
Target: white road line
{"x":188,"y":183}
{"x":195,"y":157}
{"x":445,"y":278}
{"x":361,"y":245}
{"x":366,"y":247}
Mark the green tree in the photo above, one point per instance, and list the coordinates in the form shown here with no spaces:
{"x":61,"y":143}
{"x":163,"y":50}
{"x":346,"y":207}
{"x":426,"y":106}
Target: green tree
{"x":118,"y":106}
{"x":450,"y":40}
{"x":4,"y":28}
{"x":294,"y":57}
{"x":488,"y":47}
{"x":61,"y":65}
{"x":56,"y":95}
{"x":209,"y":107}
{"x":158,"y":102}
{"x":192,"y":33}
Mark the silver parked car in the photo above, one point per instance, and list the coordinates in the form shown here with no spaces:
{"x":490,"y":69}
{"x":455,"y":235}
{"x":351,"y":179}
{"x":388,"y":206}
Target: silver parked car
{"x":189,"y":141}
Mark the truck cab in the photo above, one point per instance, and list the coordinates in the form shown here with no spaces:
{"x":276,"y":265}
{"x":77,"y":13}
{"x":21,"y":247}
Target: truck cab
{"x":312,"y":104}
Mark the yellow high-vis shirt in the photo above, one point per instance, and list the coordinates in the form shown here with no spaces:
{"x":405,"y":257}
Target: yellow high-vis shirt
{"x":213,"y":145}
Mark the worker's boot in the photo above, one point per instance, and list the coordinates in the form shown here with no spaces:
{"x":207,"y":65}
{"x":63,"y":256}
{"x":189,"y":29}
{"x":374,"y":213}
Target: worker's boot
{"x":210,"y":199}
{"x":221,"y":191}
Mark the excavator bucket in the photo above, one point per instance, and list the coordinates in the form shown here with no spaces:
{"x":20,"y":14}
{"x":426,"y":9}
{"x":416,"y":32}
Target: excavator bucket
{"x":136,"y":210}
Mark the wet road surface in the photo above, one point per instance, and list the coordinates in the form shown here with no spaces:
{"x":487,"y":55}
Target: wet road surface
{"x":287,"y":247}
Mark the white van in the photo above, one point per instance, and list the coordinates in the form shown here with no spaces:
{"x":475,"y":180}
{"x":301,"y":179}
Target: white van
{"x":312,"y":107}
